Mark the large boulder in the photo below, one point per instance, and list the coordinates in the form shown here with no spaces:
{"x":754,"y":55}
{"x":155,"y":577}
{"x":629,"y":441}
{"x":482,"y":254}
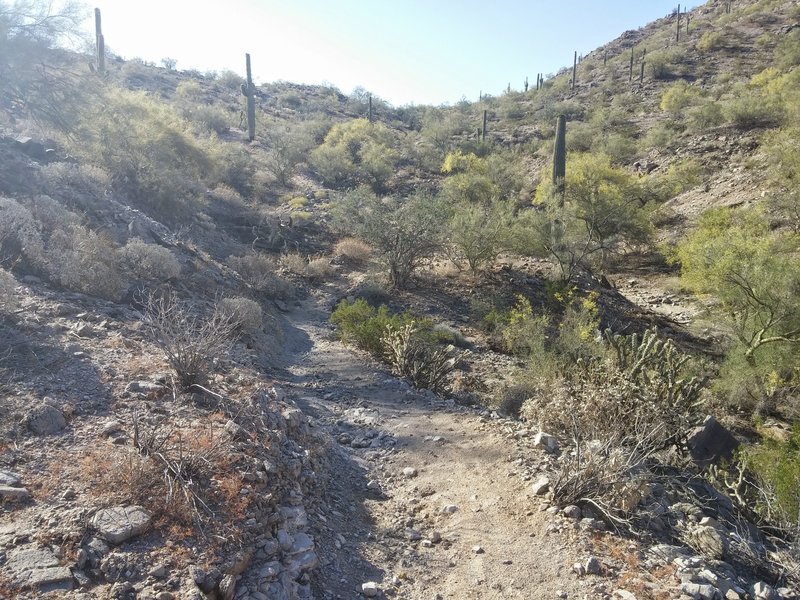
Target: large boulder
{"x":711,"y":443}
{"x":120,"y":523}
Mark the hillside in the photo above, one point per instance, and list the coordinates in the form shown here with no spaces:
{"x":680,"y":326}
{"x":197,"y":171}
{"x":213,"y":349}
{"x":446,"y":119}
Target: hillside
{"x":380,"y":351}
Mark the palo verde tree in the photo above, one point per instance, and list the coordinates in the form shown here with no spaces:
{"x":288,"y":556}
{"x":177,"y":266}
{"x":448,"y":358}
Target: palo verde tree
{"x":406,"y":232}
{"x":755,"y":274}
{"x":37,"y":79}
{"x":601,"y":210}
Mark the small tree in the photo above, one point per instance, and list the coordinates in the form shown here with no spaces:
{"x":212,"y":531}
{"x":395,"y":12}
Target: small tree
{"x":478,"y":233}
{"x":601,"y":213}
{"x":755,"y":273}
{"x":288,"y":145}
{"x":405,"y":232}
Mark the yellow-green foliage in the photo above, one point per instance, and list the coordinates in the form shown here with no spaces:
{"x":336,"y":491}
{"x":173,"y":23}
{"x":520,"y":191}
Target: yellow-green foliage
{"x":361,"y":324}
{"x":711,"y":40}
{"x":678,"y":96}
{"x":356,"y":151}
{"x":295,"y":202}
{"x":776,"y":465}
{"x":481,"y":179}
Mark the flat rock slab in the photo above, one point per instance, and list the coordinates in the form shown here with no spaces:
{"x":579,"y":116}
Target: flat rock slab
{"x":45,"y":420}
{"x":13,"y":493}
{"x":39,"y":568}
{"x":10,"y":479}
{"x":121,"y":523}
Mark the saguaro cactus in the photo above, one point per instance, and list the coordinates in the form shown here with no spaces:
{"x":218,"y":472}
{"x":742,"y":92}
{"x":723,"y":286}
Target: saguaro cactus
{"x":630,"y":74}
{"x":100,"y":43}
{"x":249,"y":92}
{"x":369,"y":116}
{"x":574,"y":68}
{"x":483,"y":131}
{"x":678,"y":25}
{"x":560,"y":155}
{"x":526,"y":83}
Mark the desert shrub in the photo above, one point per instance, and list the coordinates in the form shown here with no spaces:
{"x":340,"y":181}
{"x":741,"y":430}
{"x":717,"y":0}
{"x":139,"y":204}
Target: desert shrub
{"x":149,"y":261}
{"x":787,"y":54}
{"x":711,"y":40}
{"x":260,"y":271}
{"x":231,"y":165}
{"x":412,"y":356}
{"x":641,"y":392}
{"x":681,"y":176}
{"x":353,"y":250}
{"x":405,"y":232}
{"x":356,"y":151}
{"x":85,"y":261}
{"x":230,"y":80}
{"x":243,"y":313}
{"x":8,"y":295}
{"x":189,"y":88}
{"x":151,"y":152}
{"x":679,"y":96}
{"x":319,"y":268}
{"x":79,"y":186}
{"x":776,"y":466}
{"x":666,"y":63}
{"x":477,"y":233}
{"x":295,"y":263}
{"x":706,"y":115}
{"x":192,"y":342}
{"x":621,"y":148}
{"x":751,"y":110}
{"x":20,"y":235}
{"x":513,"y":398}
{"x":208,"y":118}
{"x":360,"y":324}
{"x":664,"y":134}
{"x":289,"y":145}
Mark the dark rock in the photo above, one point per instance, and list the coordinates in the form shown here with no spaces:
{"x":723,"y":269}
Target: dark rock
{"x":711,"y":442}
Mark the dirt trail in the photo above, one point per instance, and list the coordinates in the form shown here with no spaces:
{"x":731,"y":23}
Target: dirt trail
{"x":463,"y":524}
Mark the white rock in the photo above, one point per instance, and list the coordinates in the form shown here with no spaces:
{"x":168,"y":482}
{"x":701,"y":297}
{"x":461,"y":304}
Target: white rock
{"x":120,"y":523}
{"x":546,"y":441}
{"x":410,"y":472}
{"x":369,"y":589}
{"x":541,"y":487}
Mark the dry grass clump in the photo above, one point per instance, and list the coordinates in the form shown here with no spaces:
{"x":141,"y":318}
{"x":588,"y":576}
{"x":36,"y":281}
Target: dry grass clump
{"x":353,"y":250}
{"x":20,"y":235}
{"x":149,"y":261}
{"x":79,"y":186}
{"x":319,"y":268}
{"x":85,"y":261}
{"x":294,"y":262}
{"x":244,"y":313}
{"x":260,"y":271}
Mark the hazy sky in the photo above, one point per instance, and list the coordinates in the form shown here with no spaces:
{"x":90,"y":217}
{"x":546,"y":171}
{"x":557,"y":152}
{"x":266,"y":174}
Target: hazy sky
{"x":405,"y":51}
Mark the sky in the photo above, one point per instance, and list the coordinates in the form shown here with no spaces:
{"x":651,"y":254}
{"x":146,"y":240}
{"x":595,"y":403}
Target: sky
{"x":404,"y":51}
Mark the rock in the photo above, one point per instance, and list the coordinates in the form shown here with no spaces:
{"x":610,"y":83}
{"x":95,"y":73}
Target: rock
{"x":236,"y":431}
{"x":14,"y":493}
{"x":145,"y":388}
{"x":623,"y":595}
{"x":572,"y":512}
{"x":579,"y":569}
{"x":762,"y":591}
{"x":285,"y":540}
{"x":110,"y":428}
{"x":478,"y":549}
{"x":709,"y":541}
{"x":436,"y":537}
{"x":165,"y":596}
{"x":541,"y":487}
{"x":45,"y":419}
{"x":546,"y":442}
{"x":121,"y":523}
{"x":711,"y":442}
{"x":370,"y":589}
{"x":409,"y":472}
{"x":449,"y":509}
{"x":667,"y":553}
{"x":10,"y":479}
{"x":39,"y":569}
{"x":699,"y":591}
{"x":593,"y":566}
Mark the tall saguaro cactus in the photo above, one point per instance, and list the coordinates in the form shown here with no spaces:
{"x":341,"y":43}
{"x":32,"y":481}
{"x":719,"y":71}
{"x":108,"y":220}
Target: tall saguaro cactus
{"x":369,"y":114}
{"x":560,"y":157}
{"x":249,"y":92}
{"x":678,"y":25}
{"x":100,"y":43}
{"x":483,"y":131}
{"x":574,"y":68}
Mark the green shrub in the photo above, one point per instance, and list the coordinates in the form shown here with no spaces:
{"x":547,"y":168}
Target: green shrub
{"x":414,"y":357}
{"x":706,"y":115}
{"x":360,"y":324}
{"x":679,"y":96}
{"x":776,"y":466}
{"x":751,"y":110}
{"x":260,"y":271}
{"x":711,"y":40}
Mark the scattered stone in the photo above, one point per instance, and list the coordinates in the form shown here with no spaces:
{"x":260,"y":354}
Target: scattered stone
{"x":699,"y":591}
{"x":709,"y":541}
{"x":145,"y":388}
{"x":762,"y":591}
{"x":110,"y":428}
{"x":546,"y":442}
{"x":10,"y":479}
{"x":370,"y":589}
{"x":594,"y":566}
{"x":121,"y":523}
{"x":14,"y":493}
{"x":373,"y":485}
{"x":409,"y":472}
{"x":578,"y":569}
{"x":45,"y":419}
{"x":541,"y":487}
{"x":449,"y":509}
{"x":478,"y":549}
{"x":572,"y":512}
{"x":562,"y":594}
{"x":623,"y":595}
{"x":436,"y":537}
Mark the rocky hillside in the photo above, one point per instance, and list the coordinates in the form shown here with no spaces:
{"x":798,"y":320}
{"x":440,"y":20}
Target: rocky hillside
{"x":179,"y":417}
